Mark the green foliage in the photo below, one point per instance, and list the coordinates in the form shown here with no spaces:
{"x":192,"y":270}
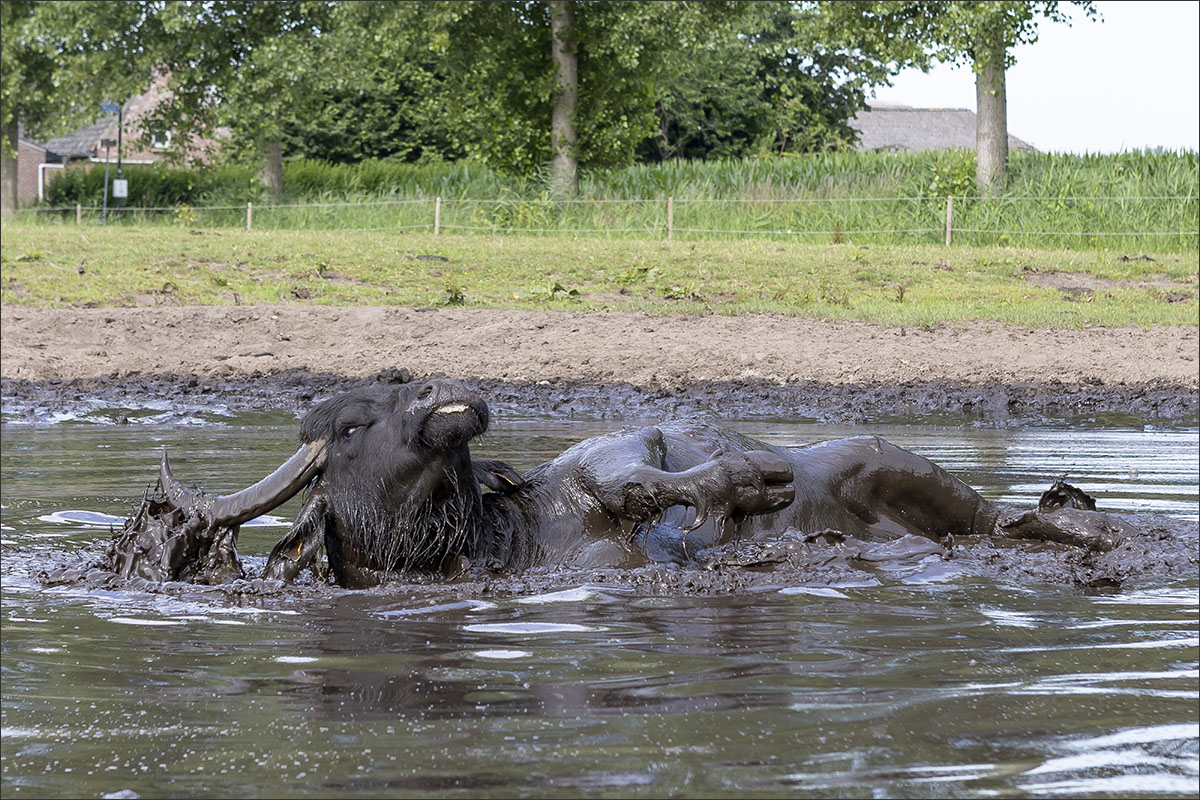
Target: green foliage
{"x":657,"y":80}
{"x":772,"y":79}
{"x":452,"y":293}
{"x":553,"y":290}
{"x":539,"y":212}
{"x":951,"y":173}
{"x":688,"y":291}
{"x":920,"y":32}
{"x":345,"y":83}
{"x":390,"y":112}
{"x":63,"y":59}
{"x":157,"y":186}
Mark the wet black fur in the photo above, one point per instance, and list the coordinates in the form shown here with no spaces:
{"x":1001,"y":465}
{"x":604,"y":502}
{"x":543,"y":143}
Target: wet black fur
{"x":399,"y":486}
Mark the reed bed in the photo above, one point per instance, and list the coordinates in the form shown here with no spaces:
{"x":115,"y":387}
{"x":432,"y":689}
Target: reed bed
{"x":1132,"y":201}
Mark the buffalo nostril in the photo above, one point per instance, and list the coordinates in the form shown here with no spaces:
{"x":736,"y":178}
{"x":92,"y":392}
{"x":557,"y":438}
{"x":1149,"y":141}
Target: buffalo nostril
{"x":425,"y":391}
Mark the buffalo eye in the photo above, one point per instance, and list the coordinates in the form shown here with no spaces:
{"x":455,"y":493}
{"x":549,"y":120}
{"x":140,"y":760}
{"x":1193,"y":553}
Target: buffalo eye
{"x":349,"y":432}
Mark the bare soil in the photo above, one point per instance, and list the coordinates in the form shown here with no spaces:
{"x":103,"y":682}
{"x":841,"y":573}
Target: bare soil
{"x":601,"y":361}
{"x":594,"y":347}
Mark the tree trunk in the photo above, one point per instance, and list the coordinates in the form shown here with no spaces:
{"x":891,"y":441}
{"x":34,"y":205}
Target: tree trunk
{"x":564,"y":170}
{"x":8,"y":171}
{"x":991,"y":122}
{"x":272,"y":174}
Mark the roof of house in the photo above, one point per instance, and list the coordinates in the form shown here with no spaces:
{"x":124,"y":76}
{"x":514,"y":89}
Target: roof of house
{"x":888,"y":127}
{"x":83,"y":142}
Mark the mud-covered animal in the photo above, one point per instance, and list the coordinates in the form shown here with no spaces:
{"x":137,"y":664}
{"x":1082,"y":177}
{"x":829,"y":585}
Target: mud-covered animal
{"x":392,"y":487}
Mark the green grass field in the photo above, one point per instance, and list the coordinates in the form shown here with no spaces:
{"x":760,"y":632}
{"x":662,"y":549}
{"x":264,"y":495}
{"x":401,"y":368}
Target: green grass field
{"x":55,"y":265}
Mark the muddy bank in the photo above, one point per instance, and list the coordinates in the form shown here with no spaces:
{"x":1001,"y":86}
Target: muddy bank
{"x":953,"y":402}
{"x":589,"y":348}
{"x":601,"y":365}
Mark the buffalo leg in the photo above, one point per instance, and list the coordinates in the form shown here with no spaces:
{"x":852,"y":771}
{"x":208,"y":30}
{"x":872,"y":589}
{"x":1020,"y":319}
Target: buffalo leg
{"x":629,"y":479}
{"x":302,"y":545}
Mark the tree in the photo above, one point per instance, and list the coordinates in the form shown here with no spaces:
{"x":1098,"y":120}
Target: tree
{"x":564,"y":170}
{"x":523,"y":85}
{"x":772,"y":78}
{"x":507,"y":92}
{"x":237,"y":63}
{"x":241,"y":64}
{"x":26,"y":76}
{"x":390,"y":110}
{"x":60,"y":62}
{"x":981,"y":34}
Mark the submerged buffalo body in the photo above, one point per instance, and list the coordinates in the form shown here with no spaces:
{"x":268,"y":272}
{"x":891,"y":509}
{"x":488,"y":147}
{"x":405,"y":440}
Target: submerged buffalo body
{"x":392,"y":487}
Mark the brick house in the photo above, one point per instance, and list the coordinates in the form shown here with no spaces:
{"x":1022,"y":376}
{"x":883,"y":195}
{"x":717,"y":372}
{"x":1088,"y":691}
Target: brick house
{"x":38,"y":163}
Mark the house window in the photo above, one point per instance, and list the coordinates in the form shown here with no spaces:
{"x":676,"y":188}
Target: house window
{"x":160,"y":141}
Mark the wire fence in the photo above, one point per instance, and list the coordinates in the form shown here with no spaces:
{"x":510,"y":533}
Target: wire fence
{"x":1160,"y":223}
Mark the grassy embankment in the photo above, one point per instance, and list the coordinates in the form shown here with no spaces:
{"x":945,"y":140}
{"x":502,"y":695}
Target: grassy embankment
{"x":55,"y":265}
{"x":838,"y":236}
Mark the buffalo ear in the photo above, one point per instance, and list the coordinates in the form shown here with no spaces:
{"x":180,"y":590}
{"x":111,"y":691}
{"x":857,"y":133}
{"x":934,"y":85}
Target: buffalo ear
{"x":497,"y":476}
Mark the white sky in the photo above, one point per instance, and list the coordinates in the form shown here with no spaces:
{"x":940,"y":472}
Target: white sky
{"x":1127,"y":82}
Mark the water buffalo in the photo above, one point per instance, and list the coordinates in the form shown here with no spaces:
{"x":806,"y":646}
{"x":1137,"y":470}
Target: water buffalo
{"x":392,"y":487}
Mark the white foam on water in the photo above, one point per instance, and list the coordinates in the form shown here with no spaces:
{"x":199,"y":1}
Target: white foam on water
{"x":461,"y":605}
{"x":96,"y":519}
{"x":253,"y":610}
{"x":154,"y":623}
{"x":576,"y":595}
{"x":500,"y":654}
{"x":1118,"y":785}
{"x":1011,"y":619}
{"x":816,"y":591}
{"x":295,"y":659}
{"x":91,"y":519}
{"x":533,"y":627}
{"x":10,"y":732}
{"x":1143,"y":735}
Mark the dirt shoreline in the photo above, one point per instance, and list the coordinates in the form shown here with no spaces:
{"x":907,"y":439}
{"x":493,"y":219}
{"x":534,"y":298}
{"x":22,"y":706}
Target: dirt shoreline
{"x":600,"y":364}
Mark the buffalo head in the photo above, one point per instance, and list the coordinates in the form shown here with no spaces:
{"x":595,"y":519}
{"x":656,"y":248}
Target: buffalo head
{"x":392,"y":485}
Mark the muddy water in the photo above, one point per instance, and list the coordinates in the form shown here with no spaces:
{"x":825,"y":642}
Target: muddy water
{"x":966,"y":688}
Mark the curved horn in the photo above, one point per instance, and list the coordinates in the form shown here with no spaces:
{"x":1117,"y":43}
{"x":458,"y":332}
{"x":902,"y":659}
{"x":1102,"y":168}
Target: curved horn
{"x":234,"y":509}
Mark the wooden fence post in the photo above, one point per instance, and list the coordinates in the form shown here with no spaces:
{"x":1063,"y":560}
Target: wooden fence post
{"x":78,"y":214}
{"x":671,"y":218}
{"x":437,"y":215}
{"x":249,"y":215}
{"x":949,"y":217}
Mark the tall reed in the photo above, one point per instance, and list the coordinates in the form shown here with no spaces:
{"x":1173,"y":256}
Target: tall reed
{"x":1134,"y":200}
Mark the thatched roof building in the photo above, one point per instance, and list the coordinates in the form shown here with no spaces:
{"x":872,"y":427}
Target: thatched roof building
{"x":899,"y":128}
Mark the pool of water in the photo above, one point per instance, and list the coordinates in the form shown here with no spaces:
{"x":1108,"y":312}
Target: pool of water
{"x":966,"y":688}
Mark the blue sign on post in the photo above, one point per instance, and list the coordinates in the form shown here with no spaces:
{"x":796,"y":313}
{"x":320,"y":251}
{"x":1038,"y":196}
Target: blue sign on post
{"x":111,"y":108}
